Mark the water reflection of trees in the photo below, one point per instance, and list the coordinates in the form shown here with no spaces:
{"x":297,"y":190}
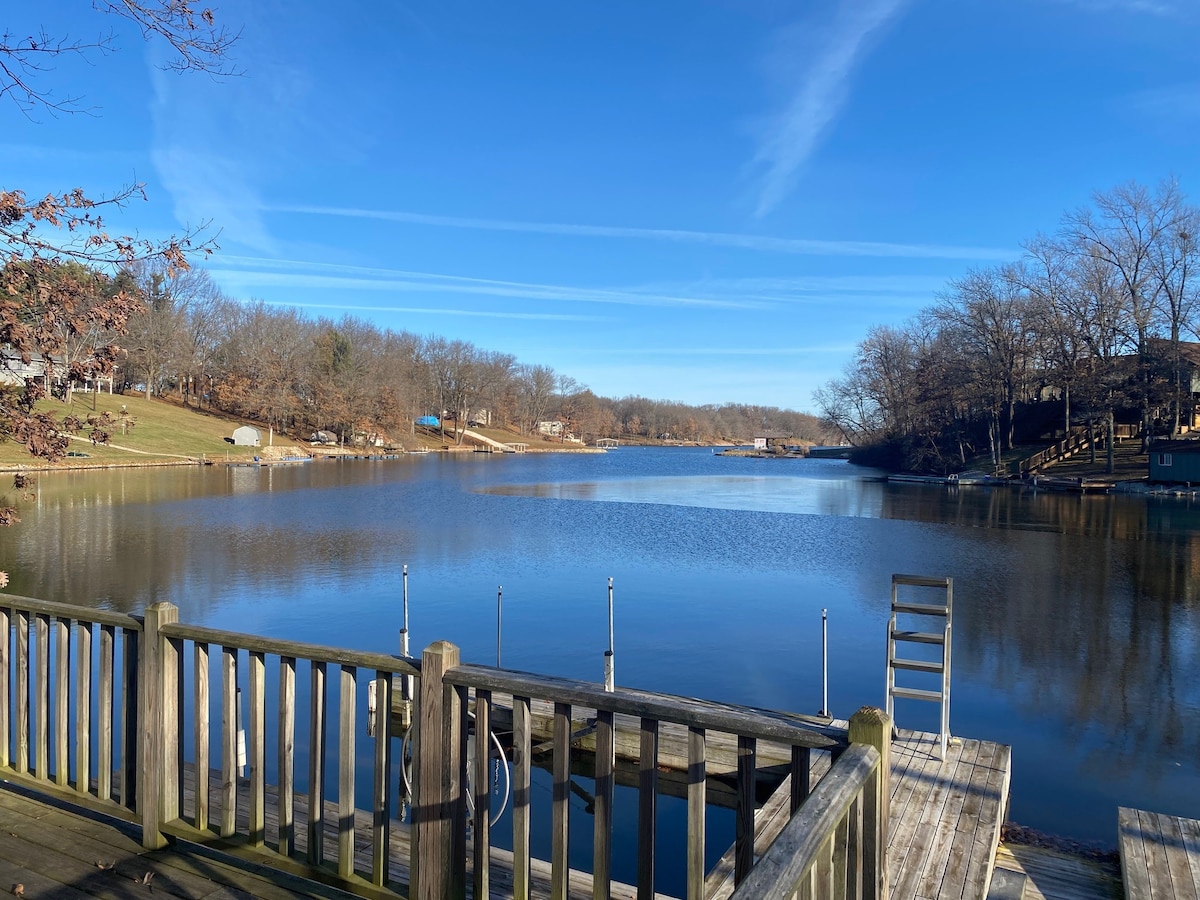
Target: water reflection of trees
{"x":108,"y":539}
{"x":1093,"y":622}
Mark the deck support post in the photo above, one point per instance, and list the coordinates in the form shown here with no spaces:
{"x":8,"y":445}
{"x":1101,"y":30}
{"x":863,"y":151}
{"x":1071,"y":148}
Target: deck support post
{"x":159,"y":724}
{"x":438,"y":862}
{"x":873,"y":726}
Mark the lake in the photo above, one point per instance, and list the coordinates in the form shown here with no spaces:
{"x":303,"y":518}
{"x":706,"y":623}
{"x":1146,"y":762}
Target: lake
{"x":1075,"y":617}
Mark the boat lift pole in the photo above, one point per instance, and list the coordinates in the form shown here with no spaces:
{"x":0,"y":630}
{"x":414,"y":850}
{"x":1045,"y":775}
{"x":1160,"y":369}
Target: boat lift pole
{"x":825,"y":662}
{"x":499,"y":619}
{"x":407,"y":680}
{"x":609,"y":677}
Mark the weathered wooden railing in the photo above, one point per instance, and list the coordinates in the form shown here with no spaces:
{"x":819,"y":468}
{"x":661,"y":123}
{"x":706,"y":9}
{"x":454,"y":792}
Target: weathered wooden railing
{"x":1079,"y":439}
{"x":835,"y":845}
{"x":59,"y":710}
{"x":179,"y":815}
{"x":440,"y":826}
{"x":92,"y":760}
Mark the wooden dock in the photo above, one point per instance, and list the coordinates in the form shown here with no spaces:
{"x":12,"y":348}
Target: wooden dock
{"x":944,"y":825}
{"x":946,"y":816}
{"x":1160,"y":855}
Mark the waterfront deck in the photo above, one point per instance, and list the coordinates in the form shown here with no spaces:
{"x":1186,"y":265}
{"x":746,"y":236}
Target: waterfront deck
{"x":944,"y":830}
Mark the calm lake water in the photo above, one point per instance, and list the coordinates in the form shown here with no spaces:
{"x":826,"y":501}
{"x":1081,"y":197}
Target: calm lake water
{"x":1075,"y":630}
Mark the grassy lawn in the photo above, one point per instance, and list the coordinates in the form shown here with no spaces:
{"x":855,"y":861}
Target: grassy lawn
{"x":160,"y":432}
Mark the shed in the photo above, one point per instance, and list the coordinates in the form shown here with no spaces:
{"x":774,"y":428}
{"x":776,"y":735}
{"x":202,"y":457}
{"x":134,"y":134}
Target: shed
{"x":1175,"y":462}
{"x":772,"y":440}
{"x":247,"y":436}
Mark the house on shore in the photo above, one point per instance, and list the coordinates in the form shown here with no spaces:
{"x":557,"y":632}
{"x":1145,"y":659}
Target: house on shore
{"x":1175,"y":462}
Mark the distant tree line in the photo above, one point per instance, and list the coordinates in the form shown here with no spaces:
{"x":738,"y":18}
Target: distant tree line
{"x":1093,"y":321}
{"x":348,"y":377}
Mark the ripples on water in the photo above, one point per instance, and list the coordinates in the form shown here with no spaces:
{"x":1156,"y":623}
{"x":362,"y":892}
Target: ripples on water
{"x":1075,"y":617}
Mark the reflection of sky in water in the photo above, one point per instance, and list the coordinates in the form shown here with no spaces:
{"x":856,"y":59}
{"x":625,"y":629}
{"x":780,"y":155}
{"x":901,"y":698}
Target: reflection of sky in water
{"x":814,"y":496}
{"x":1076,"y":618}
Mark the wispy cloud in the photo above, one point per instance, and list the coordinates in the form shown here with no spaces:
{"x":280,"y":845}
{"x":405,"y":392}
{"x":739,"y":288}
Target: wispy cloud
{"x":732,"y":351}
{"x":253,"y":272}
{"x":762,"y":243}
{"x":818,"y":91}
{"x":440,"y":311}
{"x":1151,"y":7}
{"x":1174,"y":104}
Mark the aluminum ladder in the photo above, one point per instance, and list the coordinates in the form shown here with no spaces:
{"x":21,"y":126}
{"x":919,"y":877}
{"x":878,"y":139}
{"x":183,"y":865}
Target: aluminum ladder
{"x":929,"y":632}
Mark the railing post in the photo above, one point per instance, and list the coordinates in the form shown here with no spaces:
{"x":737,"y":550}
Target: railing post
{"x":873,"y":726}
{"x":159,"y":722}
{"x":438,"y":815}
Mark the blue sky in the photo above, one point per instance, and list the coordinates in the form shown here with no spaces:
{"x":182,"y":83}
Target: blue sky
{"x":697,"y":201}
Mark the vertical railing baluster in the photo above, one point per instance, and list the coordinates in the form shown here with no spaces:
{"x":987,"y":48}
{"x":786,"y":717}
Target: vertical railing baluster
{"x":83,"y":707}
{"x":520,"y":797}
{"x":257,"y":740}
{"x":131,"y":700}
{"x":602,"y":822}
{"x":316,"y":766}
{"x":21,"y":763}
{"x":104,"y":709}
{"x":823,"y":870}
{"x":647,"y":807}
{"x":382,"y":807}
{"x":346,"y":717}
{"x":743,"y":860}
{"x":839,"y":855}
{"x":5,"y":660}
{"x":287,"y":755}
{"x":41,"y":697}
{"x":801,"y":772}
{"x":160,"y":729}
{"x":697,"y":799}
{"x":481,"y":784}
{"x":229,"y":740}
{"x":561,"y":792}
{"x":62,"y":702}
{"x":854,"y":848}
{"x":200,"y":732}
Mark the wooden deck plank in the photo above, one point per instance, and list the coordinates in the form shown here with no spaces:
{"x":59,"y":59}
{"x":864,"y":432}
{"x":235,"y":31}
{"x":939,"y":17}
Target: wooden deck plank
{"x":1160,"y":855}
{"x":926,"y":816}
{"x":909,"y":795}
{"x":103,"y":857}
{"x":988,"y":822}
{"x":948,"y":832}
{"x":946,"y":817}
{"x":973,"y":848}
{"x":1054,"y":875}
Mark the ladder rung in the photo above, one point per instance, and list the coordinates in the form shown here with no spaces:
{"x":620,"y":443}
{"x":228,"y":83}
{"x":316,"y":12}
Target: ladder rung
{"x":918,"y":665}
{"x":917,"y":694}
{"x":920,"y":609}
{"x":919,"y":637}
{"x":921,"y":581}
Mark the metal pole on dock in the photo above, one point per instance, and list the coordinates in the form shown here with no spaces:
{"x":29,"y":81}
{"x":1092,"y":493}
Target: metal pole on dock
{"x":407,"y":680}
{"x":609,"y":676}
{"x":499,"y":619}
{"x":825,"y":662}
